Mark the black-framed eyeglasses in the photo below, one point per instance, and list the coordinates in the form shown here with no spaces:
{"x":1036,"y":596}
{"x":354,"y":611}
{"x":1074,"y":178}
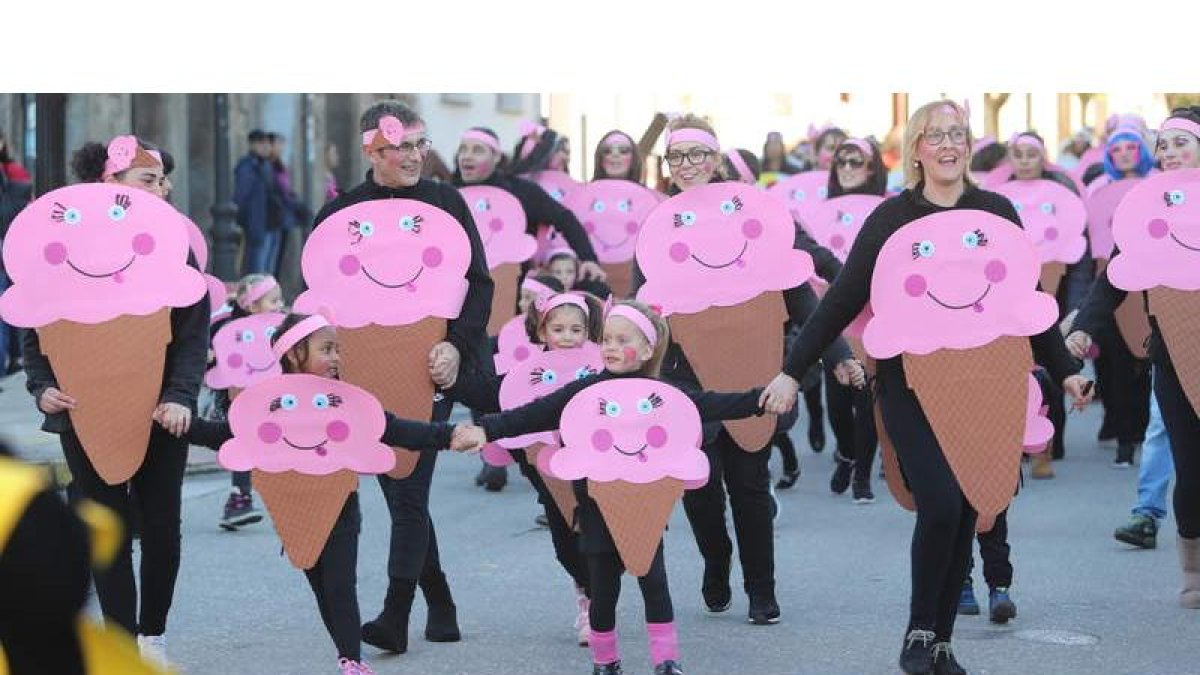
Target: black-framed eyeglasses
{"x":695,"y":156}
{"x":957,"y":136}
{"x":850,"y":162}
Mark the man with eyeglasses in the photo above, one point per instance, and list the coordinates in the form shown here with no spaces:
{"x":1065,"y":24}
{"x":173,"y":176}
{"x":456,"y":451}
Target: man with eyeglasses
{"x":413,"y":555}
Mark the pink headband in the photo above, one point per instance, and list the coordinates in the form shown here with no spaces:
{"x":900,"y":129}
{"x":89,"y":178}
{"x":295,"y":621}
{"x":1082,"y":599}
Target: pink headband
{"x":390,"y":131}
{"x":620,"y":134}
{"x":643,"y":324}
{"x":696,"y":136}
{"x":1027,"y":139}
{"x":542,"y":291}
{"x":561,"y":250}
{"x":482,"y":137}
{"x":530,"y":133}
{"x":256,"y":291}
{"x":297,"y":333}
{"x":124,"y":152}
{"x":546,"y":306}
{"x":1182,"y":125}
{"x":862,"y":145}
{"x":744,"y":173}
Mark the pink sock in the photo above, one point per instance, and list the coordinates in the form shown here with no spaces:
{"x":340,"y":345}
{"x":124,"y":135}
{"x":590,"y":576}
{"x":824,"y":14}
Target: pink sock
{"x":604,"y":647}
{"x":664,"y":642}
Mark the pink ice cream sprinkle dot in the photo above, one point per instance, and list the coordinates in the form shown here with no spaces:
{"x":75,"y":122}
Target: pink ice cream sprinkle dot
{"x":590,"y":227}
{"x":1158,"y":229}
{"x":321,"y":451}
{"x":56,"y":253}
{"x":915,"y":285}
{"x":995,"y":271}
{"x":269,"y":432}
{"x":234,"y":360}
{"x":432,"y":257}
{"x":602,"y":440}
{"x":656,"y":436}
{"x":838,"y":241}
{"x":1051,"y":233}
{"x":349,"y":265}
{"x":143,"y":244}
{"x":337,"y":430}
{"x":631,"y":227}
{"x":521,"y":353}
{"x":496,"y":225}
{"x":680,"y":252}
{"x":752,"y":228}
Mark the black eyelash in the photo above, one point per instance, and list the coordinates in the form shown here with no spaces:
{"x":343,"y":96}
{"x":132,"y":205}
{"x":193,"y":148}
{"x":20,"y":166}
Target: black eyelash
{"x":678,"y":220}
{"x":334,"y":400}
{"x":603,"y":406}
{"x":123,"y":201}
{"x":737,"y":203}
{"x":352,"y":228}
{"x":276,"y":404}
{"x":655,"y":401}
{"x":535,"y":376}
{"x":983,"y":240}
{"x":58,"y":213}
{"x":916,"y":251}
{"x":1167,"y":199}
{"x":417,"y":220}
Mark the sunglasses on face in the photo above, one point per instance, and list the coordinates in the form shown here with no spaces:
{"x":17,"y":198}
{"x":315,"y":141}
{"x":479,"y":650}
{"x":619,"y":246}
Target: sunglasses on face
{"x":850,"y":162}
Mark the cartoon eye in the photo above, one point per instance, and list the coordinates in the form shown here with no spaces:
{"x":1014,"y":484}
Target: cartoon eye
{"x":624,"y":205}
{"x":728,"y":207}
{"x":644,"y":406}
{"x":72,"y":216}
{"x":846,"y":218}
{"x":543,"y":376}
{"x":246,"y":336}
{"x":584,"y":372}
{"x":1174,"y":198}
{"x":798,"y":195}
{"x":822,"y":192}
{"x":549,"y":377}
{"x":1018,"y":206}
{"x":924,"y":249}
{"x":482,"y":205}
{"x":685,"y":219}
{"x":366,"y":229}
{"x":116,"y":213}
{"x":598,"y":206}
{"x":557,"y":193}
{"x":970,"y":240}
{"x":320,"y":401}
{"x":410,"y":224}
{"x":269,"y":332}
{"x":612,"y":409}
{"x":1048,"y":209}
{"x":288,"y":402}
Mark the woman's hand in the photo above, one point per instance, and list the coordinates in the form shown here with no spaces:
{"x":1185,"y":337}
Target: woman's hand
{"x":592,"y":270}
{"x":850,"y":373}
{"x":175,"y":418}
{"x":53,"y":401}
{"x":1079,"y":344}
{"x":780,"y":395}
{"x":1081,"y":390}
{"x":468,"y":438}
{"x":444,"y":361}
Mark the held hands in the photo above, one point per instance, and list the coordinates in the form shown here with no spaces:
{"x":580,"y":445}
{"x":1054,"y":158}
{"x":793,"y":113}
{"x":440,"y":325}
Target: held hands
{"x":1081,"y":390}
{"x":1079,"y":344}
{"x":467,"y":438}
{"x":444,"y":360}
{"x":780,"y":395}
{"x":175,"y":418}
{"x":54,"y":401}
{"x":850,"y":373}
{"x":592,"y":270}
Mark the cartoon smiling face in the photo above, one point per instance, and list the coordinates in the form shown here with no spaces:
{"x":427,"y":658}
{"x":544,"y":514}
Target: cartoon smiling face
{"x":313,"y":425}
{"x":834,"y":223}
{"x":612,"y":212}
{"x":501,"y":223}
{"x":92,"y":252}
{"x":390,"y":261}
{"x":718,"y":245}
{"x":1101,"y":203}
{"x":632,"y":429}
{"x":803,"y":192}
{"x":1157,"y":229}
{"x":1052,"y":216}
{"x":956,"y":279}
{"x":243,"y":352}
{"x":545,"y":373}
{"x":557,"y":184}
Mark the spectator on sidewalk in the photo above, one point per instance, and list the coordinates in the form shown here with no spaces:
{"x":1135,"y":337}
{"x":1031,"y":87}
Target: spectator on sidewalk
{"x":15,"y":190}
{"x":259,"y":205}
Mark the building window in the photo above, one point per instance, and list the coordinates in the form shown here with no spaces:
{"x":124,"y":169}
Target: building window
{"x":456,"y":99}
{"x":510,"y":103}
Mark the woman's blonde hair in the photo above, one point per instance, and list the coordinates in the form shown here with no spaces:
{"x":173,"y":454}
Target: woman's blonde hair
{"x":690,"y":121}
{"x":652,"y":367}
{"x":913,"y":173}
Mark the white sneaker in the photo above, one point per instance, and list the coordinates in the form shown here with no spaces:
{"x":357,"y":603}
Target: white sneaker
{"x":154,"y":649}
{"x":583,"y":624}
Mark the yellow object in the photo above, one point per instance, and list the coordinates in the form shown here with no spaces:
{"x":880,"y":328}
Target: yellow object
{"x":19,"y":483}
{"x":106,"y":531}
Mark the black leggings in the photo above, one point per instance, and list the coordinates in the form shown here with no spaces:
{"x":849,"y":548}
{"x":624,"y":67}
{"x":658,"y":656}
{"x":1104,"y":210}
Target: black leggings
{"x":334,"y":582}
{"x":606,"y":569}
{"x":746,"y":477}
{"x":941,"y":543}
{"x":413,"y":547}
{"x":565,"y":539}
{"x":1126,"y":391}
{"x":839,"y":400}
{"x":865,"y":437}
{"x":155,"y":501}
{"x":995,"y":552}
{"x":1183,"y":428}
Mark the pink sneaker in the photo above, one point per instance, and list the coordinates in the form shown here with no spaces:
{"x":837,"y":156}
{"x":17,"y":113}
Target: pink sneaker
{"x":582,"y":622}
{"x":349,"y":667}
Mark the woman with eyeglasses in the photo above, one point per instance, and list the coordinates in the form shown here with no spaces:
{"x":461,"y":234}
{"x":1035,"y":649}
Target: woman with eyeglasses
{"x":617,"y":157}
{"x":694,"y":158}
{"x":937,"y":152}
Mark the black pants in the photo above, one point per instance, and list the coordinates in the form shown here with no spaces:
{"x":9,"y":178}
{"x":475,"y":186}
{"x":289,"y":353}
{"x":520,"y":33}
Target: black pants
{"x":1183,"y":428}
{"x":1052,"y":398}
{"x":812,"y":402}
{"x":866,"y":439}
{"x":156,"y":500}
{"x":839,"y":400}
{"x":565,"y":539}
{"x":413,"y":551}
{"x":240,"y":480}
{"x":334,"y":582}
{"x":994,"y":550}
{"x":606,"y":569}
{"x":941,"y":544}
{"x":1127,"y":388}
{"x":745,"y":476}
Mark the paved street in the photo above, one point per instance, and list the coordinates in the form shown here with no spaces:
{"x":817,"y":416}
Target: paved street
{"x":1087,"y":605}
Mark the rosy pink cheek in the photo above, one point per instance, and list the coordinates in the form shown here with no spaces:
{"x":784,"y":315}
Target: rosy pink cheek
{"x":680,"y":252}
{"x":1051,"y":233}
{"x":432,"y":257}
{"x":496,"y":225}
{"x":656,"y":436}
{"x":234,"y":360}
{"x":915,"y":285}
{"x":631,"y":227}
{"x":590,"y":227}
{"x":630,"y":354}
{"x":521,"y":353}
{"x":337,"y":430}
{"x":1158,"y":228}
{"x":269,"y":432}
{"x":752,"y":228}
{"x":602,"y":440}
{"x":56,"y":253}
{"x":995,"y":271}
{"x":143,"y":244}
{"x":349,"y":265}
{"x":837,"y":241}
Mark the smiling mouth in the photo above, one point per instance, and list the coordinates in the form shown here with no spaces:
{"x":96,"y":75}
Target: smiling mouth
{"x":608,"y":246}
{"x":741,"y":253}
{"x":319,"y":447}
{"x":639,"y":453}
{"x":1190,"y":248}
{"x":399,"y":285}
{"x":251,"y":369}
{"x":973,"y":303}
{"x":102,"y":276}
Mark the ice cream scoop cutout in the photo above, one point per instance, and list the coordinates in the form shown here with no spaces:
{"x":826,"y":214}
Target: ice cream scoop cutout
{"x":957,"y":279}
{"x":803,"y":192}
{"x":718,"y":245}
{"x":834,"y":223}
{"x":1052,"y":216}
{"x":544,"y":373}
{"x":1157,"y":229}
{"x":630,"y":429}
{"x":93,"y":252}
{"x":243,"y":352}
{"x":513,"y":345}
{"x":389,"y":262}
{"x":312,"y":425}
{"x":1101,"y":203}
{"x":557,"y":184}
{"x":612,"y":212}
{"x":501,"y":223}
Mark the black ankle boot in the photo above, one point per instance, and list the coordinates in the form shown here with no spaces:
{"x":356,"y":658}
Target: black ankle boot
{"x":944,"y":662}
{"x":715,"y":588}
{"x":441,"y":624}
{"x":607,"y":669}
{"x":389,"y":630}
{"x":916,"y":656}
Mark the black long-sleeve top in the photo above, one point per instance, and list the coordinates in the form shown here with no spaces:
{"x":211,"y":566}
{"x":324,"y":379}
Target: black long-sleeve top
{"x":397,"y":432}
{"x":851,"y":290}
{"x":1098,"y":307}
{"x":542,"y":209}
{"x":468,"y":333}
{"x":183,"y":369}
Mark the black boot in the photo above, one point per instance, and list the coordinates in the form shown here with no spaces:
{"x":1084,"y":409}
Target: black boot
{"x":944,"y":662}
{"x":389,"y":630}
{"x":916,"y":656}
{"x":441,"y":624}
{"x":715,"y":588}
